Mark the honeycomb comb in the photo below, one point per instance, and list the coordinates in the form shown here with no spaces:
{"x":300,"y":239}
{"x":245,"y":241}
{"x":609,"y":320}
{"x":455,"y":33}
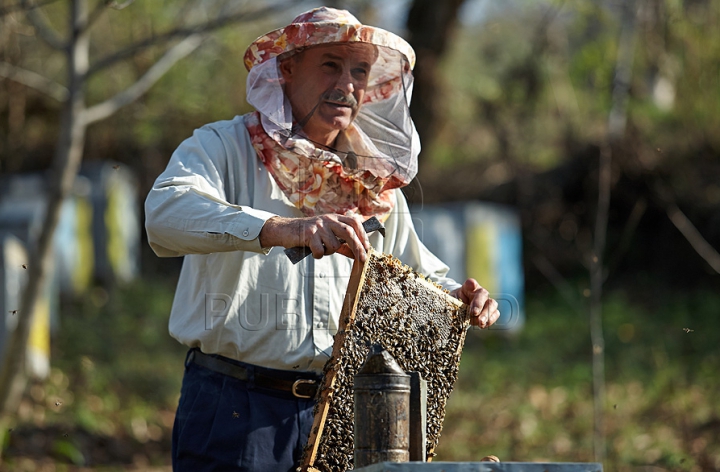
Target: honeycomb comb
{"x":414,"y":319}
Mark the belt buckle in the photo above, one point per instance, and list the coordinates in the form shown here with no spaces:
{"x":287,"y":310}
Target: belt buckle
{"x":300,"y":382}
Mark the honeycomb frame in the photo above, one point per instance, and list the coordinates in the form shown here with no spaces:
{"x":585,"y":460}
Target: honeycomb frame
{"x":417,"y":321}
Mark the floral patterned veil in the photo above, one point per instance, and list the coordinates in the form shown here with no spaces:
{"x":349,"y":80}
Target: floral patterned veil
{"x":375,"y":154}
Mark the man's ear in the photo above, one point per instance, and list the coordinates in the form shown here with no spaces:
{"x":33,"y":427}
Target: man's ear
{"x":286,"y":69}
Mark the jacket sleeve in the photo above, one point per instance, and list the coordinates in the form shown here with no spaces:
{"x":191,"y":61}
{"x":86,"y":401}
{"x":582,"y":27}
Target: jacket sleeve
{"x":402,"y":241}
{"x":188,"y":212}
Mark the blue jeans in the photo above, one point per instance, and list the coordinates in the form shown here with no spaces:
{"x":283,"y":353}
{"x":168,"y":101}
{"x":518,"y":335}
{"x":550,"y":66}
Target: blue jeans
{"x":225,"y":424}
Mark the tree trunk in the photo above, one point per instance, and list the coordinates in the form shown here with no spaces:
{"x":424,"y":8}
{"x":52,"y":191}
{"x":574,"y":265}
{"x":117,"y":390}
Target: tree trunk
{"x":430,"y":25}
{"x":66,"y":162}
{"x":615,"y":133}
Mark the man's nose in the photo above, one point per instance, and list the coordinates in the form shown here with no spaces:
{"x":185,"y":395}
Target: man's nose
{"x":346,"y":82}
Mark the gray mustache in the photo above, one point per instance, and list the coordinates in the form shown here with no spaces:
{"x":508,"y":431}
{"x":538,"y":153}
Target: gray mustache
{"x":338,"y":97}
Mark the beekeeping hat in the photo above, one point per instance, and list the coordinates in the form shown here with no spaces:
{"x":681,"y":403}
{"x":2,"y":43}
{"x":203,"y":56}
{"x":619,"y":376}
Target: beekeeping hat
{"x":391,"y":144}
{"x":322,"y":26}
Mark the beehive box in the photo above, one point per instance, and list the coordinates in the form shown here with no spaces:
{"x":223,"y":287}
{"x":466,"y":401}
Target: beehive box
{"x":419,"y":323}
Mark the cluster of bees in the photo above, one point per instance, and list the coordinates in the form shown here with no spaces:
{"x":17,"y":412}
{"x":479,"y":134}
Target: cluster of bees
{"x":417,"y":322}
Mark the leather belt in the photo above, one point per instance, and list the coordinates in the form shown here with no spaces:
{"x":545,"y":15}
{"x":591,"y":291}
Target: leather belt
{"x":295,"y":383}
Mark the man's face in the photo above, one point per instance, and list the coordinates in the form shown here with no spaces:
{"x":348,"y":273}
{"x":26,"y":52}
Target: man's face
{"x":326,"y":85}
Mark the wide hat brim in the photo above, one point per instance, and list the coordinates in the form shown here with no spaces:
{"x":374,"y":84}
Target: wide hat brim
{"x":296,"y":36}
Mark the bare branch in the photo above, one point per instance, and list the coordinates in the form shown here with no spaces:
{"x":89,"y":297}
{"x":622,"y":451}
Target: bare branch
{"x":34,"y":80}
{"x":45,"y":33}
{"x":696,"y":240}
{"x":132,"y":93}
{"x":559,"y":282}
{"x":666,"y":199}
{"x":627,"y":235}
{"x":119,"y":6}
{"x":103,"y":6}
{"x":211,"y":25}
{"x":94,"y":15}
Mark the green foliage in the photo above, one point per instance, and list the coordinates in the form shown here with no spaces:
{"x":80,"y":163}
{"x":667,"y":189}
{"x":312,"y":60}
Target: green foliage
{"x":532,"y":82}
{"x":68,"y":450}
{"x":115,"y":377}
{"x":126,"y":347}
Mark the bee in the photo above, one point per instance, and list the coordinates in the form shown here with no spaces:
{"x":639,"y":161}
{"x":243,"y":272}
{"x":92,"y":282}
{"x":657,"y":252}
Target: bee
{"x":24,"y":266}
{"x":235,"y":414}
{"x":13,"y":312}
{"x":688,"y":330}
{"x":58,"y":403}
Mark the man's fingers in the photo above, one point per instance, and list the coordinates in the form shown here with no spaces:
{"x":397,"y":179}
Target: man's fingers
{"x":317,"y":247}
{"x":496,"y":313}
{"x":475,"y":295}
{"x":489,"y":313}
{"x":355,"y":224}
{"x":356,"y":221}
{"x":356,"y":248}
{"x":468,"y":289}
{"x":324,"y":244}
{"x":346,"y":251}
{"x":332,"y":233}
{"x":481,"y":308}
{"x":350,"y":231}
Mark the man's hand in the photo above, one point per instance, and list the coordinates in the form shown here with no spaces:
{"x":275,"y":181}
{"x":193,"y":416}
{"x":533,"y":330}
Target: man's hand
{"x":324,"y":235}
{"x":482,"y":309}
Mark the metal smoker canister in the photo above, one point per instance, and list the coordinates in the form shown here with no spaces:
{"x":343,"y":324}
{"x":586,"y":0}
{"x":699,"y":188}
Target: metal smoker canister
{"x":382,"y":410}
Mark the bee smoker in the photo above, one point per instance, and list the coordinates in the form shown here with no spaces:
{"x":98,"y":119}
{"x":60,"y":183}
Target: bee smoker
{"x":382,"y":410}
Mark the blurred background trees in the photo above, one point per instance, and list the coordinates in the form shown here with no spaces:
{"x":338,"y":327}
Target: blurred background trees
{"x":527,"y":93}
{"x":512,"y":101}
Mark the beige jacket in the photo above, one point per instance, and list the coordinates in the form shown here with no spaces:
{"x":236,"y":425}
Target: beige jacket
{"x":235,"y":298}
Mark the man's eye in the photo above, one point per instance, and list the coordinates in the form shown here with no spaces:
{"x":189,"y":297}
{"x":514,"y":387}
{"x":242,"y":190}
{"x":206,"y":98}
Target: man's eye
{"x":330,"y":65}
{"x":360,"y":73}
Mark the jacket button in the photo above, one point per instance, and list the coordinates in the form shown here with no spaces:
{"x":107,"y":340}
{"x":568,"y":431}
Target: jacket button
{"x":246,"y":232}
